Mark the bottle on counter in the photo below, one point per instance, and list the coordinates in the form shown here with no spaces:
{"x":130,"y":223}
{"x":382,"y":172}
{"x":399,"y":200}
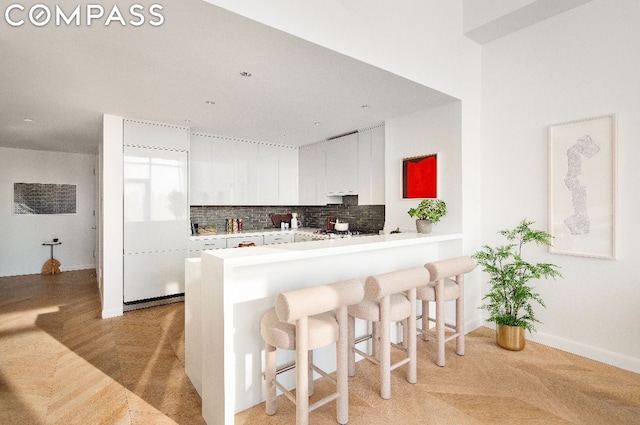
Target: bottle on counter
{"x":234,"y":225}
{"x":229,"y":227}
{"x":239,"y":225}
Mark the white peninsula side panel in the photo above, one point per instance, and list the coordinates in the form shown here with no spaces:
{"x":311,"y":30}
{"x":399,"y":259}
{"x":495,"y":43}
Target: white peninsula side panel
{"x":237,"y":286}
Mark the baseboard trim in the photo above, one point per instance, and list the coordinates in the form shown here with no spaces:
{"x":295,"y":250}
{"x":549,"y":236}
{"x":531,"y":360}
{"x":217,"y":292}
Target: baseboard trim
{"x":611,"y":358}
{"x":594,"y":353}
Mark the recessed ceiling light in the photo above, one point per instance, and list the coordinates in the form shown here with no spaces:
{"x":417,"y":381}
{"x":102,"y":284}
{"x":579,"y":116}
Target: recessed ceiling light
{"x":317,"y":123}
{"x":210,"y":102}
{"x":28,"y":120}
{"x":187,"y":120}
{"x":365,"y":106}
{"x":246,"y":74}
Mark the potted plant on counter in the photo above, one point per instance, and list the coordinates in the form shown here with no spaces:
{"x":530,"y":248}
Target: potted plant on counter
{"x":510,"y":300}
{"x":427,"y":212}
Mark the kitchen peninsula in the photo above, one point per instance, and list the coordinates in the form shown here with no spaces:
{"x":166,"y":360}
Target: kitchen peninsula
{"x":227,"y":291}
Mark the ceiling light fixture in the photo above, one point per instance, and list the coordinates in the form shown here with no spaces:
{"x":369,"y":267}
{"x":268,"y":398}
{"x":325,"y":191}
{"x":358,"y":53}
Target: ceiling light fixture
{"x":28,"y":120}
{"x":245,"y":74}
{"x":365,"y":106}
{"x":317,"y":123}
{"x":209,"y":102}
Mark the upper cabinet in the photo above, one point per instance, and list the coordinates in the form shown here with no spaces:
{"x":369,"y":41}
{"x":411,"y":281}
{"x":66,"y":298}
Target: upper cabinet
{"x":371,"y":166}
{"x":227,"y":171}
{"x":349,"y":165}
{"x":342,"y":165}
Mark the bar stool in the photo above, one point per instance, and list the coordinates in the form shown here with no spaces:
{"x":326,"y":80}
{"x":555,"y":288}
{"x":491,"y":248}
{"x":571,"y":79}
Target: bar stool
{"x":384,"y":302}
{"x":447,"y":284}
{"x":304,"y":320}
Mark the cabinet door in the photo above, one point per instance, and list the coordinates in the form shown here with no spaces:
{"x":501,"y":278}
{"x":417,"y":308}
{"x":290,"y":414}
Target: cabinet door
{"x":342,"y":165}
{"x":378,"y":166}
{"x":247,"y":173}
{"x":307,"y":158}
{"x":288,"y":176}
{"x":277,"y":238}
{"x":268,"y":174}
{"x":200,"y":171}
{"x":235,"y":241}
{"x":364,"y":168}
{"x":223,"y":169}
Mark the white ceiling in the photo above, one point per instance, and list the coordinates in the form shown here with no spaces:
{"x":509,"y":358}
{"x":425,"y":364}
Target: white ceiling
{"x":64,"y":78}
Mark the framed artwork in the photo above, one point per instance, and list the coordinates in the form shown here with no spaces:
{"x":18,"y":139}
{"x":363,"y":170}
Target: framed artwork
{"x":582,"y":187}
{"x":420,"y":176}
{"x":39,"y":198}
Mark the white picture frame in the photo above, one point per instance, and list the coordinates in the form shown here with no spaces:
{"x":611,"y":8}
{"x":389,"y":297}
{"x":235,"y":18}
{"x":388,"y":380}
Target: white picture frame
{"x":582,"y":187}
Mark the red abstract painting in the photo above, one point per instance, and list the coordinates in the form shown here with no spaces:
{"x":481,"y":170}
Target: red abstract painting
{"x":420,"y":177}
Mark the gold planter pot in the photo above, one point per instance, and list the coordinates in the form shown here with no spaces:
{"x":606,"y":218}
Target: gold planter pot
{"x":510,"y":337}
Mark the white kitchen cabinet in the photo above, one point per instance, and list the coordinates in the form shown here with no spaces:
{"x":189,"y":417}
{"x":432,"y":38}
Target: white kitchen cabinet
{"x":229,"y":171}
{"x":342,"y":165}
{"x":307,"y":189}
{"x":223,"y":169}
{"x":268,"y":175}
{"x":277,"y":238}
{"x":234,"y":241}
{"x":378,"y":166}
{"x":200,"y":171}
{"x":288,"y":176}
{"x":196,"y":246}
{"x":371,"y":166}
{"x":247,"y":161}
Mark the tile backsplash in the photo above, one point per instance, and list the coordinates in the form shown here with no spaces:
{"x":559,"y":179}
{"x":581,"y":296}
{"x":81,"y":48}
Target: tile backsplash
{"x":363,"y":218}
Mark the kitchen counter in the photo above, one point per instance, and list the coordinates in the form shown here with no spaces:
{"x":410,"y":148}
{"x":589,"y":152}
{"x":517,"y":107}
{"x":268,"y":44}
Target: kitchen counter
{"x":253,"y":232}
{"x":228,"y":290}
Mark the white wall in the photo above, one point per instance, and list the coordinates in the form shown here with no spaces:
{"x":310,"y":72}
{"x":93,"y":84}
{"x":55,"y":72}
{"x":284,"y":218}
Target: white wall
{"x":110,"y":269}
{"x":21,"y":250}
{"x":435,"y":130}
{"x":580,"y":64}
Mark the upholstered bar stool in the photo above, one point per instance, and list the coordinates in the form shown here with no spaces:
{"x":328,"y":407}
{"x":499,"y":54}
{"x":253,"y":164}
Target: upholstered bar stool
{"x":304,"y":320}
{"x":447,"y":284}
{"x":389,"y":297}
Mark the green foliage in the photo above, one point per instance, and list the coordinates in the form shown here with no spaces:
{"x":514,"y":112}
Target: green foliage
{"x":509,"y":302}
{"x":429,"y":209}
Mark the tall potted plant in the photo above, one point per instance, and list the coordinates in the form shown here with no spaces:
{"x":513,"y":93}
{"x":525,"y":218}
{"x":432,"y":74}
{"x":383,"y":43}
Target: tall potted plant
{"x":510,"y":300}
{"x":427,"y":212}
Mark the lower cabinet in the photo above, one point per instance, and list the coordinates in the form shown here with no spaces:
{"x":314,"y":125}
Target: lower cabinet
{"x":276,"y":238}
{"x":235,"y":241}
{"x":199,"y":245}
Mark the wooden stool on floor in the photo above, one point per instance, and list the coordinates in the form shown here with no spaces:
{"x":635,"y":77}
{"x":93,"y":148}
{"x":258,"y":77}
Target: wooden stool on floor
{"x":386,"y":302}
{"x":447,"y":284}
{"x":304,"y":320}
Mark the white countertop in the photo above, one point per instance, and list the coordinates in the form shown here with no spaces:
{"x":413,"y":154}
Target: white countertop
{"x":318,"y":248}
{"x":252,"y":233}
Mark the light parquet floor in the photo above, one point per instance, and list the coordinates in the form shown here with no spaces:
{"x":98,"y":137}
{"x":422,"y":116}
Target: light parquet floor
{"x":60,"y":363}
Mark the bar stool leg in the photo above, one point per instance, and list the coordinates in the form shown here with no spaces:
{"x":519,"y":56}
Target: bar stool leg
{"x":302,"y":374}
{"x":342,"y":378}
{"x":270,"y":376}
{"x":440,"y":361}
{"x":410,"y":340}
{"x":425,"y":320}
{"x":352,"y":344}
{"x":460,"y":317}
{"x":384,"y":349}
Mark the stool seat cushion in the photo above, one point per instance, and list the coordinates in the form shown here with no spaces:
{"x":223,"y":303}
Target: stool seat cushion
{"x":428,"y":293}
{"x":369,"y":309}
{"x":323,"y":331}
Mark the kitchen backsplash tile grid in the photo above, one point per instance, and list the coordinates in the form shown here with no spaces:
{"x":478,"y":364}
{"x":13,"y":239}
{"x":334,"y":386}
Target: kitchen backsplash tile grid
{"x":363,"y":218}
